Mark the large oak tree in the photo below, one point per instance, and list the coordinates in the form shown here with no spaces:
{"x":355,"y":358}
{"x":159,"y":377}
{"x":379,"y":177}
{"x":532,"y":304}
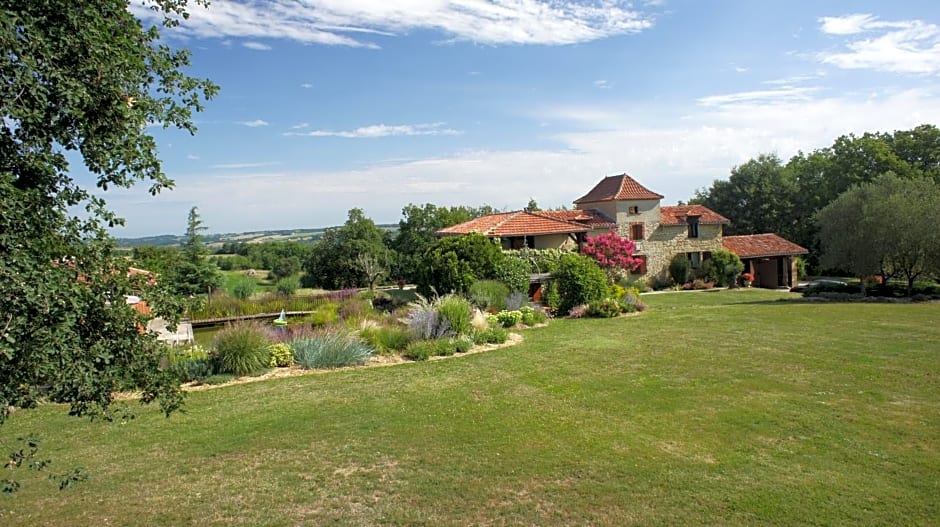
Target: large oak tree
{"x":79,"y":82}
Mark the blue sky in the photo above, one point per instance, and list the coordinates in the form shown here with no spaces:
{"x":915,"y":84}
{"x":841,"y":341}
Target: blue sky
{"x":326,"y":105}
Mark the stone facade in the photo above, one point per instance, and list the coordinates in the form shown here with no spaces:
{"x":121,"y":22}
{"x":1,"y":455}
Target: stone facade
{"x":660,"y":242}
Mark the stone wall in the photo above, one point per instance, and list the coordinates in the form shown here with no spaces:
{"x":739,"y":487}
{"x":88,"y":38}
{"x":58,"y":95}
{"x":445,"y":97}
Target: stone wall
{"x":663,"y":242}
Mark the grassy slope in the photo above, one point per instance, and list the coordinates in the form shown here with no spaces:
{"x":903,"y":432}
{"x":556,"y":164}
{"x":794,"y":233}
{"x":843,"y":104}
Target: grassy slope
{"x":712,"y":408}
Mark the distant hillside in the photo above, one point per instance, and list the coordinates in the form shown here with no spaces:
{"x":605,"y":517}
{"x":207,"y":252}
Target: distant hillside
{"x":215,"y":240}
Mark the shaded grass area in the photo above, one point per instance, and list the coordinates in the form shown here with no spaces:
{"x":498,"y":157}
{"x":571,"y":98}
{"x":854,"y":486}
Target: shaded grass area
{"x":723,"y":407}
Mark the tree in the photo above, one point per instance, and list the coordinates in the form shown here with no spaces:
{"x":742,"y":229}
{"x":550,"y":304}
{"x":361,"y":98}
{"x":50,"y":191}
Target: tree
{"x":613,"y":253}
{"x":86,"y":79}
{"x":532,"y":206}
{"x":416,"y":231}
{"x":454,"y":263}
{"x":680,"y":268}
{"x":371,"y":268}
{"x":885,"y":227}
{"x":332,"y":261}
{"x":195,"y":274}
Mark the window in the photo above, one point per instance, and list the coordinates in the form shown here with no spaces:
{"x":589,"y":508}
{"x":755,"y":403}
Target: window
{"x":634,"y":209}
{"x":642,"y":268}
{"x":695,"y":259}
{"x":636,"y":231}
{"x":693,"y":226}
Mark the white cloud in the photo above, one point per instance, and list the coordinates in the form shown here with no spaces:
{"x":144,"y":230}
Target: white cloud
{"x":192,"y":157}
{"x":787,"y":93}
{"x":259,"y":46}
{"x":253,"y":124}
{"x":740,"y":69}
{"x":300,"y":126}
{"x":306,"y":85}
{"x":846,"y":25}
{"x":346,"y":22}
{"x":381,"y":130}
{"x":911,"y":46}
{"x":603,"y":84}
{"x":671,"y":150}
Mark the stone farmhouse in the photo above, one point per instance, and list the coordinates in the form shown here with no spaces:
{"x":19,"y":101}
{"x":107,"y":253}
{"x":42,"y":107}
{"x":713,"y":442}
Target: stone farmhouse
{"x":659,"y":231}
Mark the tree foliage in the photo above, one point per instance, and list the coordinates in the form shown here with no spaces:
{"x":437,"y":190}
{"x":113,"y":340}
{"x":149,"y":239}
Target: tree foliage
{"x":885,"y":227}
{"x":724,"y":267}
{"x":84,"y":78}
{"x":612,"y":252}
{"x":194,"y":274}
{"x":454,"y":263}
{"x":332,"y":261}
{"x":763,"y":195}
{"x":579,"y":280}
{"x":416,"y":232}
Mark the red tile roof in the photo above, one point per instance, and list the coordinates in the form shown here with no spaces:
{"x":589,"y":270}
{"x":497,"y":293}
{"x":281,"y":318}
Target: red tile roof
{"x":618,"y":188}
{"x":677,"y":214}
{"x":761,"y":245}
{"x":590,"y":217}
{"x":518,"y":223}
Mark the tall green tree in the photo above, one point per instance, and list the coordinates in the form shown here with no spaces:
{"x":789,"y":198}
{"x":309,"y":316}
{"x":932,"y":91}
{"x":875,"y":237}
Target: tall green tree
{"x":886,"y":227}
{"x":85,"y":78}
{"x":332,"y":261}
{"x":454,"y":263}
{"x":416,"y":231}
{"x":758,"y":197}
{"x":194,"y":273}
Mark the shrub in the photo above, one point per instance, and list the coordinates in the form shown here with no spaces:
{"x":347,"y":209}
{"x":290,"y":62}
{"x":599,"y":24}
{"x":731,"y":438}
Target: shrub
{"x":508,"y":319}
{"x":513,"y":272}
{"x":457,"y":311}
{"x":578,"y":311}
{"x":386,"y":339}
{"x":190,"y":364}
{"x":724,"y":267}
{"x":491,"y":335}
{"x":425,"y":349}
{"x":606,"y":308}
{"x":462,"y":344}
{"x":580,"y":281}
{"x":680,"y":268}
{"x":424,"y":321}
{"x":516,"y":300}
{"x":241,"y":349}
{"x":330,"y":350}
{"x":354,"y":309}
{"x":826,"y":287}
{"x":489,"y":293}
{"x":550,"y":297}
{"x":281,"y":355}
{"x":287,"y":285}
{"x":243,"y":287}
{"x":325,"y":315}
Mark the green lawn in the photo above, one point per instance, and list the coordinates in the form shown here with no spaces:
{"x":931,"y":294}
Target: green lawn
{"x":719,"y":408}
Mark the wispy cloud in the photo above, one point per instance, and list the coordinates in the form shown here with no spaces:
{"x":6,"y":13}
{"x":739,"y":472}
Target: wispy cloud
{"x":306,"y":85}
{"x":259,"y":46}
{"x":244,"y":165}
{"x":253,"y":124}
{"x":381,"y":130}
{"x":192,"y":157}
{"x":603,"y":84}
{"x":300,"y":126}
{"x":546,"y":22}
{"x":796,"y":79}
{"x":782,"y":94}
{"x":910,"y":46}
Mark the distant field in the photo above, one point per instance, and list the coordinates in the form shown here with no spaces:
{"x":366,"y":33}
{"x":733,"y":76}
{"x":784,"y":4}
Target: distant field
{"x":714,"y":408}
{"x":216,"y":240}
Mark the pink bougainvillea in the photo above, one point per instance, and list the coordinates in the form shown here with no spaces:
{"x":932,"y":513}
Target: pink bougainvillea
{"x":612,"y":252}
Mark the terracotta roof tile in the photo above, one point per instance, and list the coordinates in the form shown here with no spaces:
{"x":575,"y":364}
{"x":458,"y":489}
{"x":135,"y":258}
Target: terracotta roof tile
{"x":761,"y":245}
{"x":677,"y":214}
{"x":518,"y":223}
{"x":617,"y":188}
{"x":590,"y":217}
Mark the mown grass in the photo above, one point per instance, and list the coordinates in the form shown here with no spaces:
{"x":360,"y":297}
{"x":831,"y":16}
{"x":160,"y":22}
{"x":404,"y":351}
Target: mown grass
{"x":720,"y":408}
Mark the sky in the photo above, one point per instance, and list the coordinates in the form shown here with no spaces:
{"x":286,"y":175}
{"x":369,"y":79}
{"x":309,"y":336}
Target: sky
{"x":327,"y":105}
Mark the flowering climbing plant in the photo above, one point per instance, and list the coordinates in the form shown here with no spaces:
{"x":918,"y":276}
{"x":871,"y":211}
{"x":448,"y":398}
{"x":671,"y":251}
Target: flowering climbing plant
{"x":613,"y":253}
